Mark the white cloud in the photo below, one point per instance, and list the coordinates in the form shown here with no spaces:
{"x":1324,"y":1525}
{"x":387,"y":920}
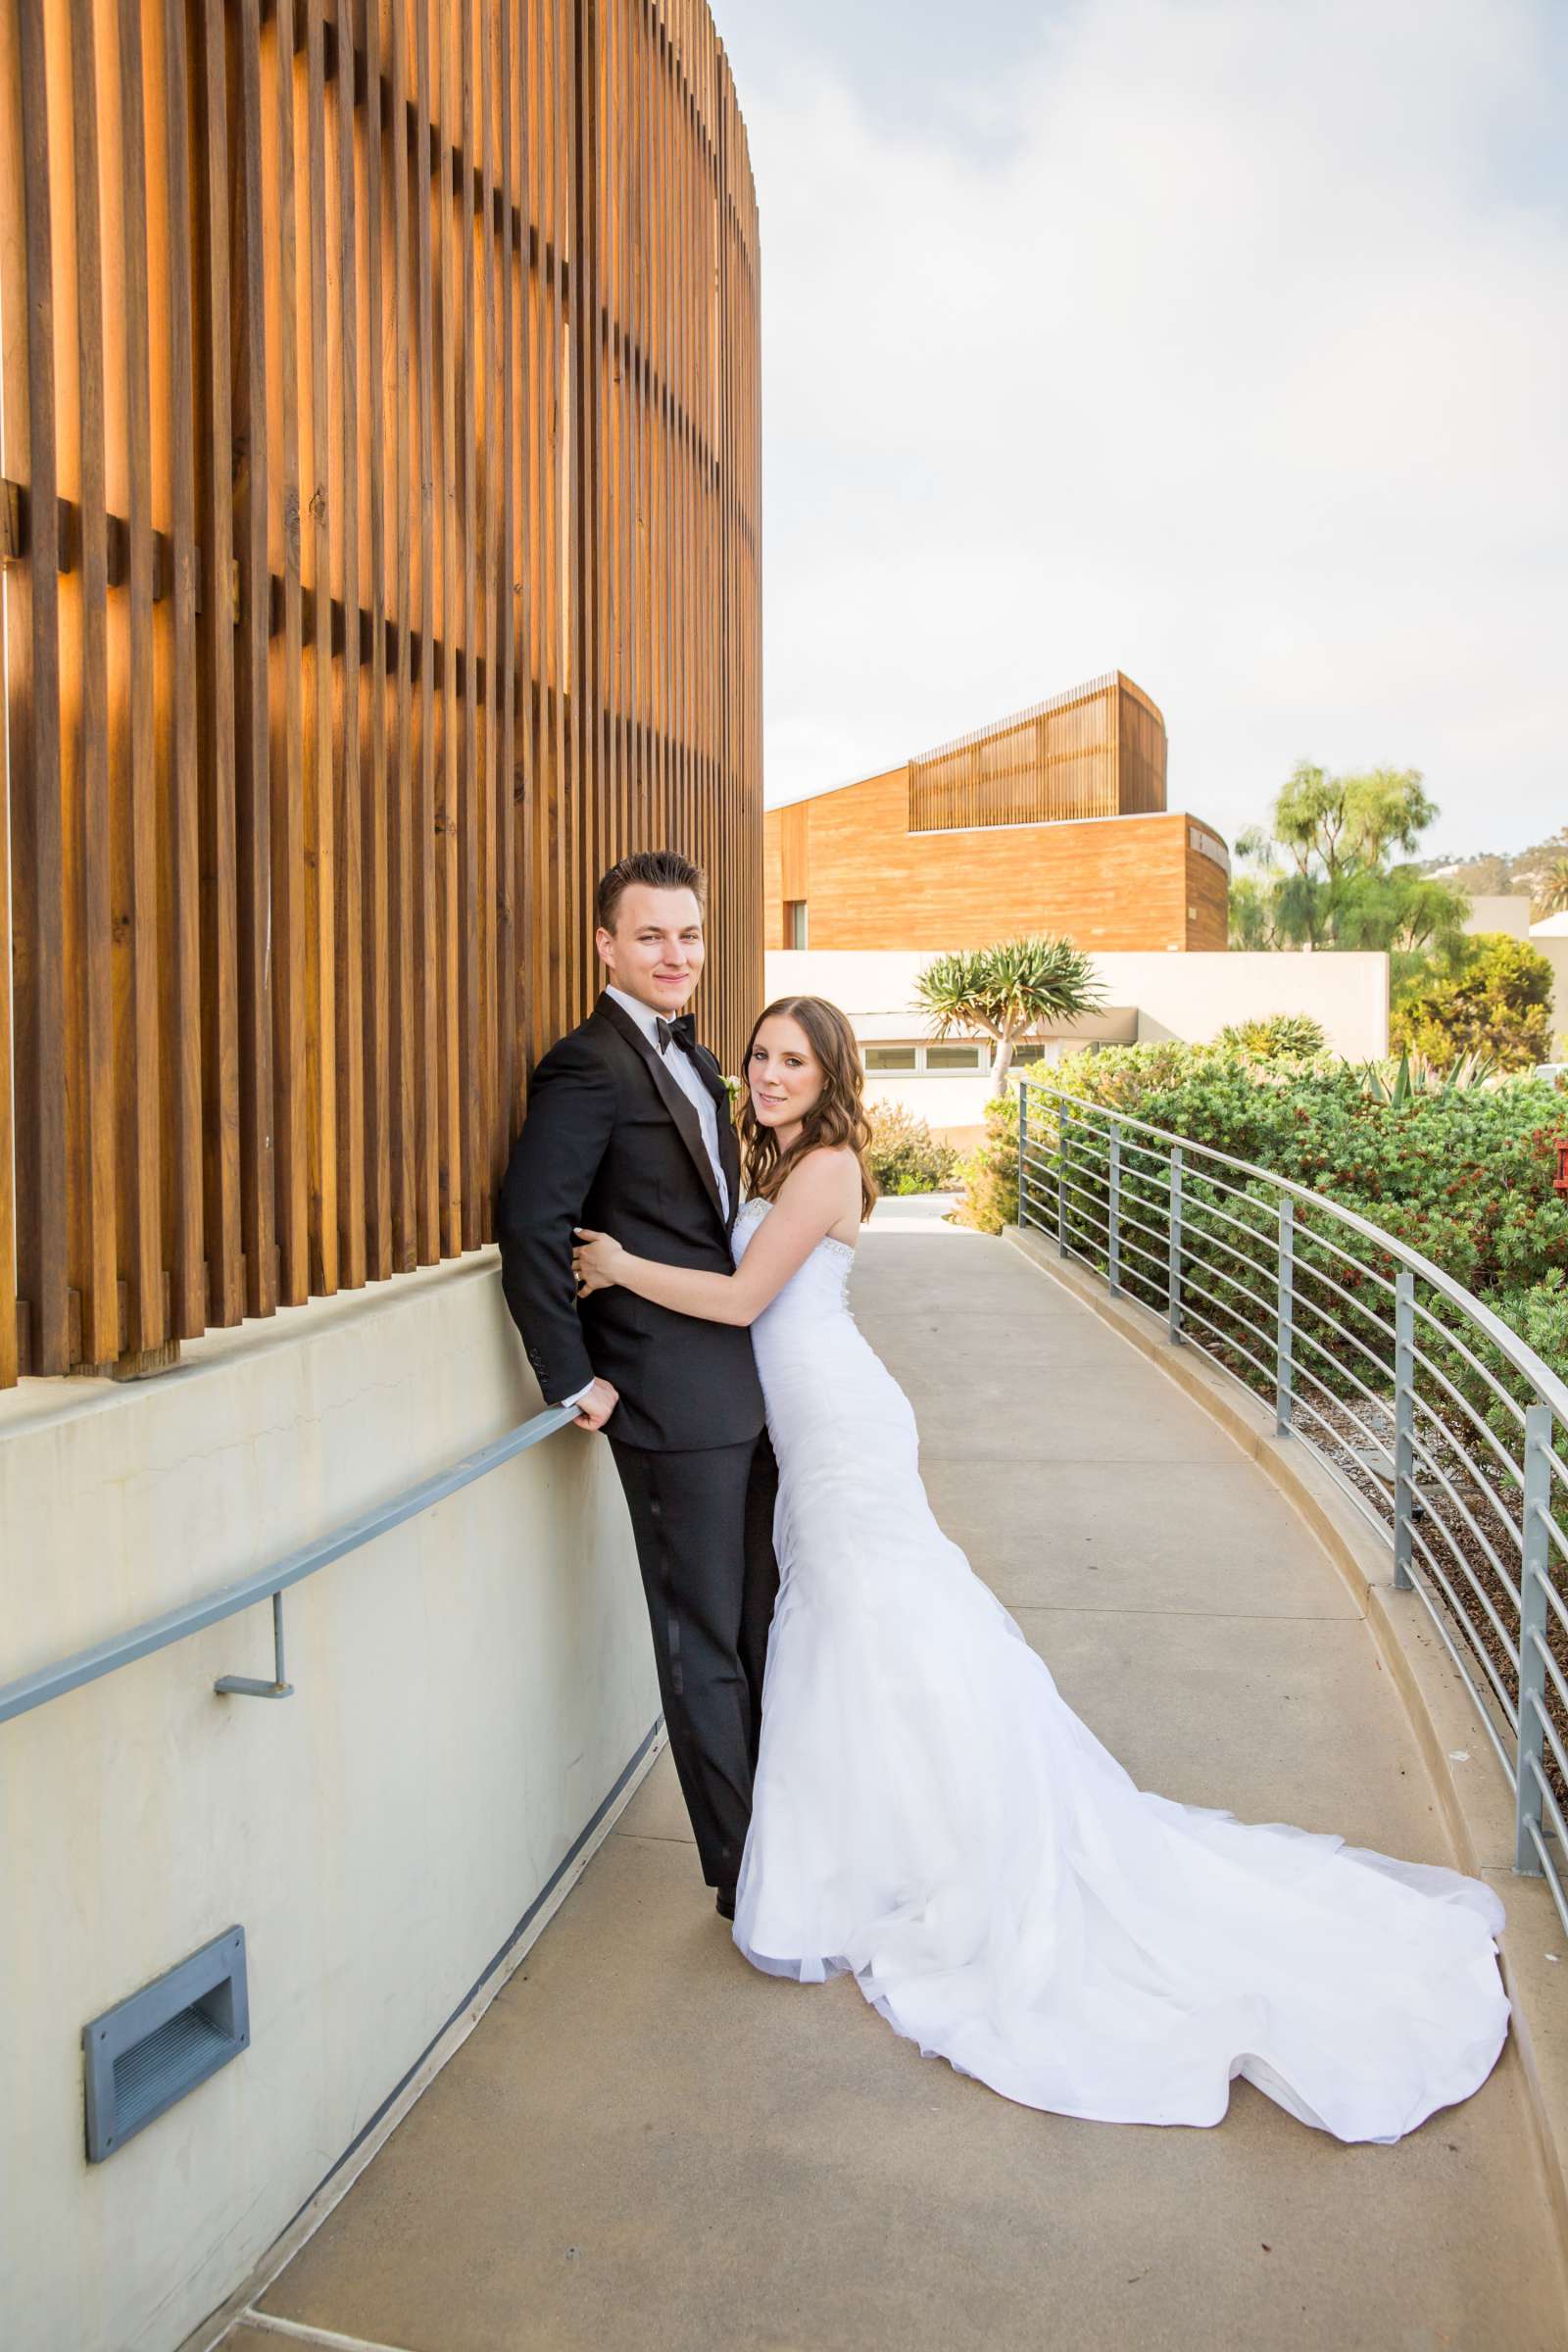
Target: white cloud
{"x":1226,"y":347}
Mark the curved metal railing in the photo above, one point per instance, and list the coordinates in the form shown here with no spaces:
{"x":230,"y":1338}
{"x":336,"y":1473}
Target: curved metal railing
{"x":1442,"y":1427}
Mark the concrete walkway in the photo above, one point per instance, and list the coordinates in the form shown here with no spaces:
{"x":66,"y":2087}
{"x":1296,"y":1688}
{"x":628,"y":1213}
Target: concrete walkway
{"x":643,"y":2144}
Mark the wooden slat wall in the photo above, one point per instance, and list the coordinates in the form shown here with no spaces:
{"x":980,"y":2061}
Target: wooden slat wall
{"x":1097,"y":750}
{"x":381,"y":560}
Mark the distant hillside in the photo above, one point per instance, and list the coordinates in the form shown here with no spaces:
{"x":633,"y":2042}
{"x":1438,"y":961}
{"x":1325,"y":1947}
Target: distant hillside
{"x":1493,"y":872}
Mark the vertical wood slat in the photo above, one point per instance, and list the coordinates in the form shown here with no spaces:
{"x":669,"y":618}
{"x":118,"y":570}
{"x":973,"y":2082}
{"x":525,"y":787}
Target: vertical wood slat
{"x":372,"y":444}
{"x":584,"y":771}
{"x":393,"y":597}
{"x":466,"y":1223}
{"x":317,"y":814}
{"x":13,"y":464}
{"x":215,"y":681}
{"x":348,"y":872}
{"x":482,"y":413}
{"x":180,"y":815}
{"x":486,"y":652}
{"x":403,"y":1120}
{"x":423,"y":918}
{"x":251,"y":752}
{"x":86,"y":824}
{"x":514,"y":605}
{"x":34,"y":713}
{"x":14,"y":629}
{"x":285,"y":680}
{"x":133,"y":812}
{"x":450,"y":253}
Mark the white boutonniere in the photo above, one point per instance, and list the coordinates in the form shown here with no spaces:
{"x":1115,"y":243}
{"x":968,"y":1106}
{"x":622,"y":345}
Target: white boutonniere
{"x":732,"y":1088}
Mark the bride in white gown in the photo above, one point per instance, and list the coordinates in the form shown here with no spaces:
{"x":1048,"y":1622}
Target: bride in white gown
{"x":929,"y":1813}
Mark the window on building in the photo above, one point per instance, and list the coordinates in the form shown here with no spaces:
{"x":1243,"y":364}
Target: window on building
{"x":1033,"y":1051}
{"x":794,"y":922}
{"x":955,"y":1058}
{"x":888,"y":1057}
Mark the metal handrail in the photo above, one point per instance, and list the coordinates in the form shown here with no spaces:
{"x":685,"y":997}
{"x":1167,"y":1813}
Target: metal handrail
{"x":1078,"y":1163}
{"x":191,"y":1617}
{"x":1553,"y":1391}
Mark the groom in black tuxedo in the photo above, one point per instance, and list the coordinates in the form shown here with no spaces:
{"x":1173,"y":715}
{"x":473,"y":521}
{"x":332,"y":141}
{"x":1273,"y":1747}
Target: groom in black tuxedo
{"x":628,"y":1131}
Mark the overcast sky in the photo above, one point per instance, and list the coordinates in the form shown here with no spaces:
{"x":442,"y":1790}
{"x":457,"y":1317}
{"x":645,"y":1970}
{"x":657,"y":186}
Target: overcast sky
{"x":1219,"y":341}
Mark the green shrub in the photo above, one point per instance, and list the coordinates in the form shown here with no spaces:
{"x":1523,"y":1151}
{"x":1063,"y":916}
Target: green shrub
{"x":1539,"y":1315}
{"x":904,"y":1156}
{"x":1276,"y":1037}
{"x":990,"y":1174}
{"x":1494,"y":999}
{"x":1396,"y":1080}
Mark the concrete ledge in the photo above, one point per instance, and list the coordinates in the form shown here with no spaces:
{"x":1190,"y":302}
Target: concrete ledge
{"x":1472,"y":1793}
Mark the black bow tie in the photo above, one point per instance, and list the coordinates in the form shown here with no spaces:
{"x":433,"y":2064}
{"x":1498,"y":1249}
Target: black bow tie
{"x":683,"y":1029}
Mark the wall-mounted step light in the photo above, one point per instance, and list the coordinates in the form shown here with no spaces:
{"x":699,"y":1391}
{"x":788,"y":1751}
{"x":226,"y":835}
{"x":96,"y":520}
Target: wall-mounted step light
{"x":153,"y":2048}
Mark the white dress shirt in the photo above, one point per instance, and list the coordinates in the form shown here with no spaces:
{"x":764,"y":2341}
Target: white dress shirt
{"x":681,"y":1067}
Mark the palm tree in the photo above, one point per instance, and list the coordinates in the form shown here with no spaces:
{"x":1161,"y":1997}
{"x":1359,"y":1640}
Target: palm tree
{"x":1005,"y":991}
{"x":1552,"y":887}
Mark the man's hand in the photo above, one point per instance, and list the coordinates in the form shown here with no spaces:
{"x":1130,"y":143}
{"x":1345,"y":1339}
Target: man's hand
{"x":596,"y":1404}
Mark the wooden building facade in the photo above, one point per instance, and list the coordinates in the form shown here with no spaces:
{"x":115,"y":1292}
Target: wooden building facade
{"x":1053,"y":820}
{"x":380,"y":534}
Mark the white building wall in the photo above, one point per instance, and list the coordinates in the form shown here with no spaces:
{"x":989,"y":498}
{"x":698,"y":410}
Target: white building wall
{"x":1506,"y":911}
{"x":468,"y":1690}
{"x":1550,"y":936}
{"x":1147,"y":996}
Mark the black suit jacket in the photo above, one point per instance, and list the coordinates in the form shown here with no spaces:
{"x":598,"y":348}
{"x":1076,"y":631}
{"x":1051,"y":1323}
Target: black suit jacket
{"x":611,"y":1142}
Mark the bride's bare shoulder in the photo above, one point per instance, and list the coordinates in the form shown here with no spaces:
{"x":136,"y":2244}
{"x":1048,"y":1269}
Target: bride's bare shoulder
{"x":826,"y":1181}
{"x":825,"y":1164}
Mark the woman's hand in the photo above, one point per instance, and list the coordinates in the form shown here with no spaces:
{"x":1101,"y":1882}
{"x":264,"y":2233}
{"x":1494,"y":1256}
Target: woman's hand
{"x":596,"y":1262}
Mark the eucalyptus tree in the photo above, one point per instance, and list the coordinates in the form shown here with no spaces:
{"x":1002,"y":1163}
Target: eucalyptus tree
{"x":1324,"y":872}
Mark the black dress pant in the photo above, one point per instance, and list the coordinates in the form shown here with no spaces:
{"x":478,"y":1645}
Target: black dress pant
{"x":703,"y":1528}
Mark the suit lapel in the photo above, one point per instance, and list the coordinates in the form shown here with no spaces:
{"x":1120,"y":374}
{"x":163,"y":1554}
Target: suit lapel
{"x":729,"y":1145}
{"x":679,"y":1105}
{"x":706,"y":1063}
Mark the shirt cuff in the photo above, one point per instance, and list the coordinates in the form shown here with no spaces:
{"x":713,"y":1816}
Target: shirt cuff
{"x":576,"y":1398}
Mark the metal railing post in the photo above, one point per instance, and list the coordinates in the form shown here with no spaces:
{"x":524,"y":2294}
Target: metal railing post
{"x":1533,"y":1638}
{"x":1404,"y":1425}
{"x":245,"y":1686}
{"x":1023,"y":1140}
{"x":1061,"y":1177}
{"x":1173,"y":1286}
{"x":1285,"y":1335}
{"x":1114,"y":1227}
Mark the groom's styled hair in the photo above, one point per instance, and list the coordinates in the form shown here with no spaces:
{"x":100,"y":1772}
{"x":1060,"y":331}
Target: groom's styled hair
{"x":656,"y":869}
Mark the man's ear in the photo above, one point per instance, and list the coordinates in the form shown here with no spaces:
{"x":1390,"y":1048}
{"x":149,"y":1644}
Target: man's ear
{"x":603,"y":942}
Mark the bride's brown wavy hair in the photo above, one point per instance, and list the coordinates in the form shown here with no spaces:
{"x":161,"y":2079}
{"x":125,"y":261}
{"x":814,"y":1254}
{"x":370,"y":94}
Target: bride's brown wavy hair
{"x":838,"y":1115}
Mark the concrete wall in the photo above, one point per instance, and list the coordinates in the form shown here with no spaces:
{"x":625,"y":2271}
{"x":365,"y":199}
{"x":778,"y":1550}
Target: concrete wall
{"x":1504,"y":911}
{"x":468,"y":1690}
{"x":1195,"y":997}
{"x":1148,"y":997}
{"x":1550,"y":936}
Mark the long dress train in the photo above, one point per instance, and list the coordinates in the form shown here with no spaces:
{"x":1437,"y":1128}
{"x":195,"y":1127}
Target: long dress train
{"x":930,"y":1814}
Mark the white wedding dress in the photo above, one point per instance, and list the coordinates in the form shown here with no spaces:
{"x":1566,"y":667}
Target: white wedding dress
{"x":930,"y":1814}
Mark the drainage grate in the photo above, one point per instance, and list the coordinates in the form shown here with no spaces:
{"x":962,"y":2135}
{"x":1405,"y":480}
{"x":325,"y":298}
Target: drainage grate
{"x":159,"y":2043}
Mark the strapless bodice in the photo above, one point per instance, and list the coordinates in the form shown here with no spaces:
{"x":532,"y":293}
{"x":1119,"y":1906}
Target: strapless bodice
{"x":821,"y":1282}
